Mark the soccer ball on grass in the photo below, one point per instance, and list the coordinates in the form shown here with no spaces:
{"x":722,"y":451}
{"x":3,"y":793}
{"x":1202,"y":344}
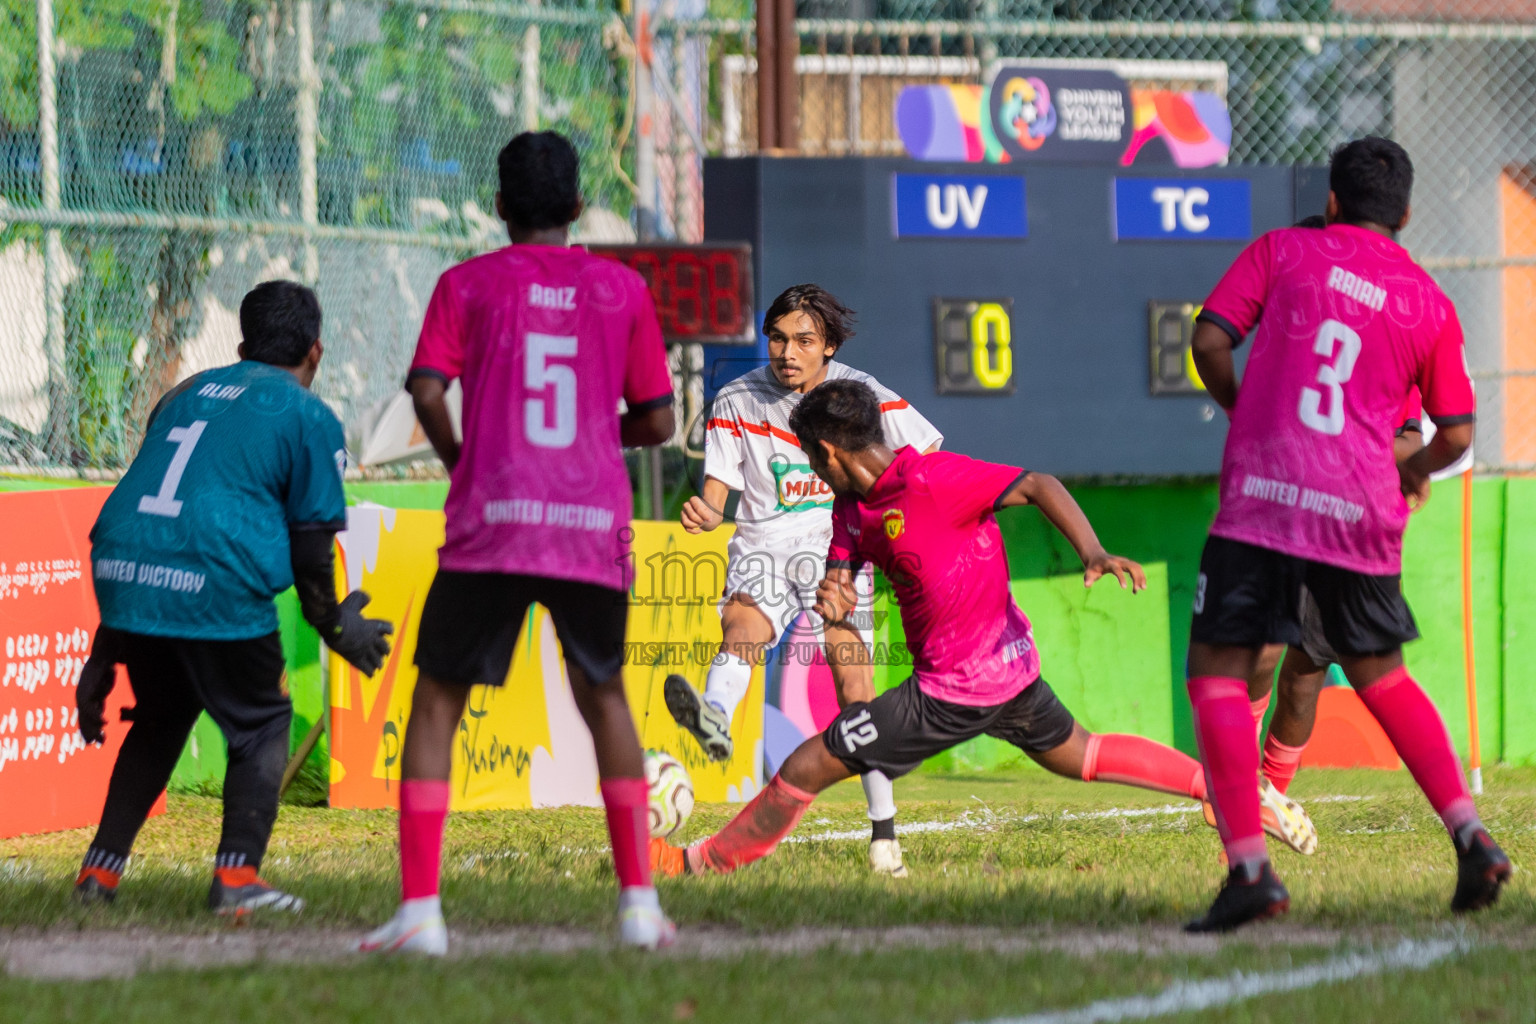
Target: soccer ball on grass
{"x":670,"y":793}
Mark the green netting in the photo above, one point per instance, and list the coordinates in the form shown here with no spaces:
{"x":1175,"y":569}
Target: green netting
{"x":185,"y":178}
{"x":205,"y":145}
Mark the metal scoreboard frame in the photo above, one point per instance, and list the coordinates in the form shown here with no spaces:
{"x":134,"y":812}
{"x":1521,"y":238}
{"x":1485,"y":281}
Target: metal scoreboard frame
{"x":1170,"y":334}
{"x":703,"y":293}
{"x":973,"y":346}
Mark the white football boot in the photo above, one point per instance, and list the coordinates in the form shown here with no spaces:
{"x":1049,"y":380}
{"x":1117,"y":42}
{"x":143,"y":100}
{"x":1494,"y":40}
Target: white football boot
{"x":885,"y":858}
{"x":417,"y":927}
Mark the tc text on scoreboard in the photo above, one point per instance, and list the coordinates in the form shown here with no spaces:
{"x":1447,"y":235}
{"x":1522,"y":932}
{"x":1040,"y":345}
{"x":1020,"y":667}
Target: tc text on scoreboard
{"x":1205,"y":209}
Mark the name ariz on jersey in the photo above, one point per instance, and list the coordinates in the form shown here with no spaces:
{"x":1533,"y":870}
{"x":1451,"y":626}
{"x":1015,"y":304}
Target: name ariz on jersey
{"x":551,"y":298}
{"x":1357,"y":288}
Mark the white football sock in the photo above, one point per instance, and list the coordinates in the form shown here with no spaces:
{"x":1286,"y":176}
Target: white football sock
{"x":727,"y":682}
{"x":639,"y":896}
{"x":419,"y":910}
{"x":881,"y":795}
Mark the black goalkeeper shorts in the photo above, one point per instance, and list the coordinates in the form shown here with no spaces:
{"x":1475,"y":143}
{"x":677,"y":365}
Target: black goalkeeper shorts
{"x":471,"y":621}
{"x":903,"y":727}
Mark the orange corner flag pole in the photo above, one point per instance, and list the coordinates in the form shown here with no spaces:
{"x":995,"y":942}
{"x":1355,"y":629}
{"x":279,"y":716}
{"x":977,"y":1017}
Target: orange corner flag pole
{"x":1475,"y":772}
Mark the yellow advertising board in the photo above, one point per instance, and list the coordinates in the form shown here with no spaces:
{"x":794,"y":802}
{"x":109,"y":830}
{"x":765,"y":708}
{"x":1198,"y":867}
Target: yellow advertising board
{"x":523,"y":744}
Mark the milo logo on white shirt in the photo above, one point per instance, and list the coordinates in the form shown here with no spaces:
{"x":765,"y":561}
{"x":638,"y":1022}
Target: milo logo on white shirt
{"x":798,"y":488}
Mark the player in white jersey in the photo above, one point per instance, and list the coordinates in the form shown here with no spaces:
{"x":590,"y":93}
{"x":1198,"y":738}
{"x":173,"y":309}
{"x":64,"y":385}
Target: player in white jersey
{"x":783,"y":526}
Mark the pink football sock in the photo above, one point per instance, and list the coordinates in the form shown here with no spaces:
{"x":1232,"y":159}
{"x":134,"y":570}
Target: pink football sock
{"x":1257,"y":708}
{"x":754,"y":832}
{"x":423,"y":811}
{"x":1280,"y":762}
{"x":1224,"y":727}
{"x":1138,"y":761}
{"x":1415,"y":728}
{"x":628,"y":830}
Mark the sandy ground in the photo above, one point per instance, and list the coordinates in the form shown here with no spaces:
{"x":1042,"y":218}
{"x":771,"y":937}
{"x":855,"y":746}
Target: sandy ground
{"x":71,"y":953}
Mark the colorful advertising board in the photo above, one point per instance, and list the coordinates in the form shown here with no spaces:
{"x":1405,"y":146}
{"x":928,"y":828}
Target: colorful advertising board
{"x":523,"y":744}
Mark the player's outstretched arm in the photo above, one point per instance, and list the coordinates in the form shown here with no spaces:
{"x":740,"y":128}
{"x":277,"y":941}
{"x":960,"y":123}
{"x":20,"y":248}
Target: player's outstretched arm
{"x":1046,"y":493}
{"x":364,"y":643}
{"x":1212,"y":350}
{"x":705,"y":511}
{"x":427,"y":395}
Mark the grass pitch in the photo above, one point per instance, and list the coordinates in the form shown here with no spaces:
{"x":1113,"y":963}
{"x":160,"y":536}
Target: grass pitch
{"x":1028,"y":894}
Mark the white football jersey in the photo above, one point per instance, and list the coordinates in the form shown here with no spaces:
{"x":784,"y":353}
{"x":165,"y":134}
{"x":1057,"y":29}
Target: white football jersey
{"x":748,"y":446}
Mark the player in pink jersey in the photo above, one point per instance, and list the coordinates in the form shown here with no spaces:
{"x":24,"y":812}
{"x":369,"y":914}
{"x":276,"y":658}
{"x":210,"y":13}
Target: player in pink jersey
{"x":546,"y":340}
{"x":928,"y":522}
{"x":1346,"y":324}
{"x":1304,"y":665}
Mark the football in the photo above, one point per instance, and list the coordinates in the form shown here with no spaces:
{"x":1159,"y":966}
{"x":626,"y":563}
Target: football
{"x":671,"y":793}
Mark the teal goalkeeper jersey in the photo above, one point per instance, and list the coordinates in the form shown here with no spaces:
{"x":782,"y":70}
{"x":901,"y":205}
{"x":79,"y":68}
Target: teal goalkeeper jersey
{"x":193,"y":541}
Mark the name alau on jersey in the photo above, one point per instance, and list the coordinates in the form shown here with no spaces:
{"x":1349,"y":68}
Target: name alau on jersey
{"x":1357,"y":288}
{"x":223,"y":392}
{"x":545,"y":297}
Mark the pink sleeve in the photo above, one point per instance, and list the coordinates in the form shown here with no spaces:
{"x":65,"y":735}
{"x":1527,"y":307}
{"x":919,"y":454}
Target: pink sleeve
{"x":968,"y":489}
{"x":1444,"y":382}
{"x":843,"y":551}
{"x":1413,"y":411}
{"x":440,"y":349}
{"x":647,"y":381}
{"x":1238,"y":299}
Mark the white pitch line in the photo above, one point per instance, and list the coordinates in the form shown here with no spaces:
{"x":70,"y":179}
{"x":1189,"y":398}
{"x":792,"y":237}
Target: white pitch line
{"x":1192,"y":996}
{"x":968,"y":821}
{"x":972,"y":820}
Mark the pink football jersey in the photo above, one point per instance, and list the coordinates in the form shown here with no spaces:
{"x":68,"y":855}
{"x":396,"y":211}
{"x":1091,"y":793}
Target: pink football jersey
{"x":1347,"y":325}
{"x":928,"y":524}
{"x":546,"y":340}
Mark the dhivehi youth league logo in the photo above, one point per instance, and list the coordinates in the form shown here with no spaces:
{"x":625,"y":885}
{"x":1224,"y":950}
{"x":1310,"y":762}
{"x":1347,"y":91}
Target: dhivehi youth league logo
{"x":1027,"y":111}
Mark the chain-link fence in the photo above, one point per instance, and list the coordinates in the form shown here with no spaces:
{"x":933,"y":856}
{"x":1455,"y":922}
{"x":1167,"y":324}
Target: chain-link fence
{"x":170,"y":153}
{"x":178,"y":151}
{"x":1454,"y":82}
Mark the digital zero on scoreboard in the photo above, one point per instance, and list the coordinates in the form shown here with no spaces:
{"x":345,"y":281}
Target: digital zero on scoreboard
{"x":703,"y":293}
{"x":973,"y":346}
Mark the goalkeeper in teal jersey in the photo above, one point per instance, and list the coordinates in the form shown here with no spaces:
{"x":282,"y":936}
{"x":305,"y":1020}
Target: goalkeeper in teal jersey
{"x":234,"y":497}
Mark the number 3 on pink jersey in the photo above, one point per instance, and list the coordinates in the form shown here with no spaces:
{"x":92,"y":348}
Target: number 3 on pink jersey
{"x":1331,"y":376}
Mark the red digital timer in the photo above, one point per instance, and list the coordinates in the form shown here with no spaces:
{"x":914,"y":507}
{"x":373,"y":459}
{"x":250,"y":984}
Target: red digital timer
{"x":703,"y":293}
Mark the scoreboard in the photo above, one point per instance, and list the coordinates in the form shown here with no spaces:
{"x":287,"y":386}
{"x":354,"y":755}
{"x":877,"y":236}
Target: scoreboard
{"x":1036,"y":314}
{"x":703,"y":293}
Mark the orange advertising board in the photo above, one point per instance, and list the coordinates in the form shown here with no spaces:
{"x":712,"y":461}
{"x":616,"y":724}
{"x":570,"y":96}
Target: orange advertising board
{"x":49,"y":778}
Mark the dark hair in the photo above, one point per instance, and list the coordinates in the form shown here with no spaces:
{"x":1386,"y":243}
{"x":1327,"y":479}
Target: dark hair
{"x":834,"y":318}
{"x":1317,"y":220}
{"x":1372,"y":179}
{"x":540,"y":180}
{"x":279,"y":322}
{"x":844,"y":412}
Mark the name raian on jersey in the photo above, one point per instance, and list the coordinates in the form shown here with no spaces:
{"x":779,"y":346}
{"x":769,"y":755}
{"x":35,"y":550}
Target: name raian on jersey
{"x":799,"y":489}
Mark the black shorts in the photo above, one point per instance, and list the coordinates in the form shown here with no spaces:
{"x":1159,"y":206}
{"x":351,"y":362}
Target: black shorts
{"x":1314,"y":642}
{"x":242,"y":684}
{"x":1248,"y":596}
{"x":471,"y":621}
{"x":903,"y":727}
